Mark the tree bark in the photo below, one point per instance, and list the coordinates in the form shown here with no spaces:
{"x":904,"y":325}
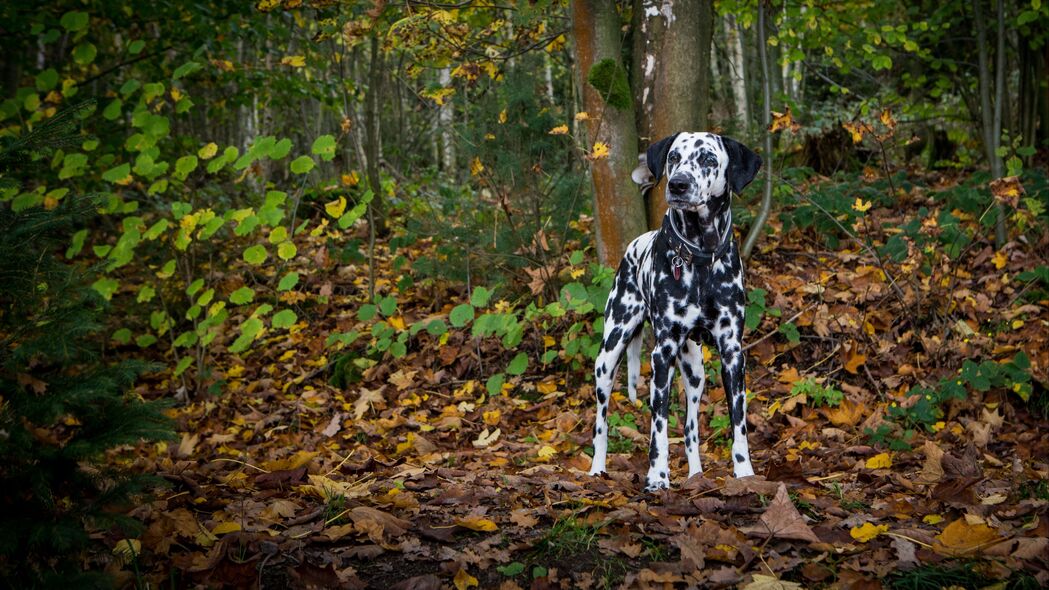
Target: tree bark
{"x":446,"y":117}
{"x":736,"y":73}
{"x":678,"y":35}
{"x":766,"y":83}
{"x":618,"y":208}
{"x":991,"y":121}
{"x":372,"y":141}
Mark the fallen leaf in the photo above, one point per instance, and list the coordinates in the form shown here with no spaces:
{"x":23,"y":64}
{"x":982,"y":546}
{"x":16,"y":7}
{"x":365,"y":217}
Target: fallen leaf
{"x":782,"y":520}
{"x":475,"y":523}
{"x":463,"y":580}
{"x":867,"y":531}
{"x":368,"y":399}
{"x":763,"y":582}
{"x":879,"y":461}
{"x":486,"y":438}
{"x":962,"y":537}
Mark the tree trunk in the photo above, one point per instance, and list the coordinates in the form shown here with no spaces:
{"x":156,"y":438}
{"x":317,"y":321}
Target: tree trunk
{"x":372,"y":145}
{"x":991,"y":121}
{"x":618,"y":208}
{"x":736,"y":72}
{"x":766,"y":83}
{"x":679,"y":99}
{"x":446,"y":118}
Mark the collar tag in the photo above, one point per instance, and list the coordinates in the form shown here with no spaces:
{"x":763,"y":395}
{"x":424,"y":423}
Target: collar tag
{"x":676,"y":264}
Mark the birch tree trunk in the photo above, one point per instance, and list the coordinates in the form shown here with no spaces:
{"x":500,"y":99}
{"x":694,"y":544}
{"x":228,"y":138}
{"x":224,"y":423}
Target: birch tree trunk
{"x":736,"y":72}
{"x":618,"y":208}
{"x":445,"y":119}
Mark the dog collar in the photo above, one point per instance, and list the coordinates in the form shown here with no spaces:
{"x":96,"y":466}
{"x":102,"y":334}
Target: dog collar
{"x":683,"y":251}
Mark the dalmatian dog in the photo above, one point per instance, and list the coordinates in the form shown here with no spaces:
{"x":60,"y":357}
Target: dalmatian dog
{"x":686,"y":279}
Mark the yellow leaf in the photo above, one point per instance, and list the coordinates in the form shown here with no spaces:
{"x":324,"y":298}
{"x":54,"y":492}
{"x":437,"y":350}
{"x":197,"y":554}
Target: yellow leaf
{"x":502,"y":116}
{"x":476,"y":167}
{"x":336,"y":207}
{"x":932,"y":519}
{"x":225,"y":527}
{"x":295,"y":61}
{"x":397,"y":322}
{"x":600,"y":151}
{"x":559,"y":130}
{"x":489,"y":136}
{"x":999,"y":259}
{"x":546,"y":452}
{"x":463,"y":580}
{"x":548,"y":341}
{"x":127,"y":550}
{"x":582,"y":116}
{"x":961,"y":537}
{"x":1017,"y":324}
{"x":861,"y":205}
{"x":208,"y":151}
{"x":350,"y":179}
{"x":879,"y":461}
{"x":476,"y":523}
{"x":492,"y":417}
{"x":867,"y":532}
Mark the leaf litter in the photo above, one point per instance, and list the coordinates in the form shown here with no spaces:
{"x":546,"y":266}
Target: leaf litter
{"x":414,"y":476}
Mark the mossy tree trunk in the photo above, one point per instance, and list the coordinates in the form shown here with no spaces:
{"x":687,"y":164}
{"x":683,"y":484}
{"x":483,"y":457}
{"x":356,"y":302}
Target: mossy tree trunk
{"x":618,"y":207}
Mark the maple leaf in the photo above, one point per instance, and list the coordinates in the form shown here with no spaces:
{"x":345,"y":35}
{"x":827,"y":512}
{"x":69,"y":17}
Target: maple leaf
{"x":861,"y":205}
{"x":368,"y":399}
{"x":600,"y":151}
{"x":295,"y":61}
{"x":476,"y":167}
{"x":582,"y":116}
{"x":783,"y":120}
{"x":559,"y":130}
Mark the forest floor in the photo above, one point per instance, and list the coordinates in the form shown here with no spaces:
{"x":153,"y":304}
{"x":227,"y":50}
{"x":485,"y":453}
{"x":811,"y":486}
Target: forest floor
{"x":413,"y":476}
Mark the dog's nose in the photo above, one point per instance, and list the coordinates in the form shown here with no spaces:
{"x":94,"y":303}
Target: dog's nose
{"x":677,"y":186}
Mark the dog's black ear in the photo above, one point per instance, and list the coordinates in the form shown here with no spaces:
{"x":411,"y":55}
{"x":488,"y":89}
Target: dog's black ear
{"x":652,"y":163}
{"x":656,"y":156}
{"x":743,"y":164}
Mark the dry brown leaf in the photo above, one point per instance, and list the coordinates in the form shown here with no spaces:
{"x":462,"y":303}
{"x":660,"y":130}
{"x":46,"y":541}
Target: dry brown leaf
{"x":782,"y":520}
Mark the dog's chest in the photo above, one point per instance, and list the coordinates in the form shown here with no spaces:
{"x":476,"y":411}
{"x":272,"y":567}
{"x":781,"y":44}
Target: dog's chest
{"x":699,"y":292}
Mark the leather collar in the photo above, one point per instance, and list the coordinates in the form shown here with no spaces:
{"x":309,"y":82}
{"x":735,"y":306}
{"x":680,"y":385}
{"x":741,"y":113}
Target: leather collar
{"x":684,"y":251}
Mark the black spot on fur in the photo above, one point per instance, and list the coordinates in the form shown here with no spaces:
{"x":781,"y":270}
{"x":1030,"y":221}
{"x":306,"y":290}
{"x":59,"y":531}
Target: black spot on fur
{"x":739,"y":458}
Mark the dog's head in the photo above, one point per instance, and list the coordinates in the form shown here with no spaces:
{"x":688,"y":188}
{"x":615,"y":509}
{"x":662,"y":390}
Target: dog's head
{"x":702,"y":170}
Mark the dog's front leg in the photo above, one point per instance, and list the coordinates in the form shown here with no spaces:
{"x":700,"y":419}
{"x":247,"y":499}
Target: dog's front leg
{"x":690,"y":361}
{"x":663,"y":358}
{"x":730,"y":347}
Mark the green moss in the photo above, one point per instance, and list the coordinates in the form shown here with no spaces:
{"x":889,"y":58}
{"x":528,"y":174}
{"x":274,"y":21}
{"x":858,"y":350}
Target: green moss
{"x":609,"y":79}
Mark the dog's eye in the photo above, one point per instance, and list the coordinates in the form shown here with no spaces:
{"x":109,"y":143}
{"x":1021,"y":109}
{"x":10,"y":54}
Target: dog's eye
{"x":709,"y":160}
{"x":674,"y":158}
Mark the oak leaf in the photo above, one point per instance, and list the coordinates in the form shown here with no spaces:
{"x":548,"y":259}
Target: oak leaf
{"x":782,"y":520}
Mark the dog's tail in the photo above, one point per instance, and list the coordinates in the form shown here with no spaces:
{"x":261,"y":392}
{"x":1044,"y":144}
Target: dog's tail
{"x":633,"y":365}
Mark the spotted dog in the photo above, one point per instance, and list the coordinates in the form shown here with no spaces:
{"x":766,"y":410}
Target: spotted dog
{"x":686,"y":279}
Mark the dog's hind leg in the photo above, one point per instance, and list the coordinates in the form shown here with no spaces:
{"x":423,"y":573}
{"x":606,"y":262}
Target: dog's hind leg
{"x":623,"y":319}
{"x":690,"y":361}
{"x":633,"y":364}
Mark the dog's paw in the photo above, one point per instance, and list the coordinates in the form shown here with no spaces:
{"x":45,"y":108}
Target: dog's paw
{"x":656,"y":485}
{"x":743,"y":470}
